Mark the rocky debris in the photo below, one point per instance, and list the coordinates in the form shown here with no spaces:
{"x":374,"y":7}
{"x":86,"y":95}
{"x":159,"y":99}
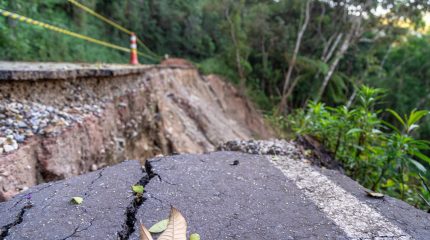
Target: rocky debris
{"x":68,"y":119}
{"x":177,"y":62}
{"x":278,"y":147}
{"x":20,"y":120}
{"x":107,"y":211}
{"x":271,"y":147}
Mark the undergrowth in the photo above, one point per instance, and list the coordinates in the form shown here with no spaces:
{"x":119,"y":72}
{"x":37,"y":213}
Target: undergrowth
{"x":383,"y":157}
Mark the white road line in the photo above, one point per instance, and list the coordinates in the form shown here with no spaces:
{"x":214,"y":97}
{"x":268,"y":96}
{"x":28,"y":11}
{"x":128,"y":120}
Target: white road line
{"x":355,"y":218}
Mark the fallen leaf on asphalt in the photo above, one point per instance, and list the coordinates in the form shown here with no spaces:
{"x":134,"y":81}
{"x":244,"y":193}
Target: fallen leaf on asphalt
{"x":159,"y":227}
{"x":144,"y":233}
{"x":374,"y":194}
{"x":195,"y":236}
{"x":77,"y":200}
{"x":177,"y":227}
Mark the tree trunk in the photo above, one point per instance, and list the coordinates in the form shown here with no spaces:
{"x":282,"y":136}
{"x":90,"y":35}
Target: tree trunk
{"x":283,"y":103}
{"x":333,"y":48}
{"x":352,"y":98}
{"x":240,"y":70}
{"x":339,"y":55}
{"x":327,"y":45}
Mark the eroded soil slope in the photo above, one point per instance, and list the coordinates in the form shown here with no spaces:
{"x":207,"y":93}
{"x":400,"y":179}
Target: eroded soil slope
{"x":61,"y":120}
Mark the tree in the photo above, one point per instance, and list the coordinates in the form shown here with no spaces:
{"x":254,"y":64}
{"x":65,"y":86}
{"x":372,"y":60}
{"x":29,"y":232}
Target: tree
{"x":285,"y":91}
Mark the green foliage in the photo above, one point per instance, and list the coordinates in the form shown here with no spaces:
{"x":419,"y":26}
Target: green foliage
{"x":251,"y":43}
{"x":217,"y":65}
{"x":380,"y":159}
{"x":77,"y":200}
{"x":138,"y":189}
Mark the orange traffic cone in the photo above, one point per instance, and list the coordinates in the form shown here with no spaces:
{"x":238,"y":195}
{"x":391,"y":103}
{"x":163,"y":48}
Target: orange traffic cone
{"x":133,"y":50}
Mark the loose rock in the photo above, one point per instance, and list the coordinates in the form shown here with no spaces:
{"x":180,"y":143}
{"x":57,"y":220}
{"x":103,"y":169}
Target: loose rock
{"x":22,"y":119}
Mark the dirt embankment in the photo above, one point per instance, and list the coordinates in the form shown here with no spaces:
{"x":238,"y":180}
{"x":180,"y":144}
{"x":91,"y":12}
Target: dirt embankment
{"x":61,"y":120}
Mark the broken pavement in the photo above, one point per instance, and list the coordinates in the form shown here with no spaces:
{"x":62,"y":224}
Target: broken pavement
{"x":223,"y":195}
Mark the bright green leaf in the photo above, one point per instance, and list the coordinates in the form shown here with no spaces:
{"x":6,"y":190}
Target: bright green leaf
{"x":421,"y":156}
{"x":389,"y":183}
{"x":159,"y":227}
{"x":396,"y":115}
{"x":195,"y":236}
{"x":138,"y":189}
{"x":415,"y":116}
{"x":354,"y":130}
{"x":77,"y":200}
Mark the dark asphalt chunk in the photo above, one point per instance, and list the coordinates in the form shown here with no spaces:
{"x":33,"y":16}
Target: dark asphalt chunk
{"x":235,"y":163}
{"x":252,"y":200}
{"x":102,"y":215}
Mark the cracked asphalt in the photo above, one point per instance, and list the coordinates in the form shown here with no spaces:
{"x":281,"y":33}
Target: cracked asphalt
{"x":223,"y":195}
{"x":50,"y":215}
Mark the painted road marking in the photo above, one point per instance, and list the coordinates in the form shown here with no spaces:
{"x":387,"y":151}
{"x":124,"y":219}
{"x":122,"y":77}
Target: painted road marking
{"x":355,"y":218}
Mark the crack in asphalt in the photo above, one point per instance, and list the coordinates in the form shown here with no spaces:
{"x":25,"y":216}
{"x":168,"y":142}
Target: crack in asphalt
{"x":90,"y":186}
{"x":4,"y":231}
{"x":155,"y":198}
{"x":77,"y":230}
{"x":32,"y":193}
{"x":165,"y":181}
{"x":133,"y":207}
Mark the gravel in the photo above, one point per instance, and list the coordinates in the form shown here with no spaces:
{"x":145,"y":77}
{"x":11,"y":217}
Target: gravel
{"x":21,"y":120}
{"x":267,"y":147}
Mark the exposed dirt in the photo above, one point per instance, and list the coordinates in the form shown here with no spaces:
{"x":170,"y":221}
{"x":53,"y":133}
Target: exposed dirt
{"x":146,"y":111}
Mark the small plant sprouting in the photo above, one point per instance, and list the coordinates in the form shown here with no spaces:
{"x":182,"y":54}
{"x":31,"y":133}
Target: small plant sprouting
{"x":138,"y":189}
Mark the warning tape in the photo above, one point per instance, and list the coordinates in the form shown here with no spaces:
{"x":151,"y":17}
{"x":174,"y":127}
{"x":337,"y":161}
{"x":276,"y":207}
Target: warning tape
{"x":60,"y":30}
{"x":90,"y":11}
{"x":112,"y":23}
{"x":67,"y":32}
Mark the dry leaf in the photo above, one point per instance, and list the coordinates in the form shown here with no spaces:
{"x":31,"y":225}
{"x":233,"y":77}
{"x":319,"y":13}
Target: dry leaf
{"x":177,"y":227}
{"x":144,"y":233}
{"x":374,"y":194}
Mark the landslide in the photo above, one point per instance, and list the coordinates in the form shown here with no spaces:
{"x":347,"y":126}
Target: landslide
{"x":61,"y":120}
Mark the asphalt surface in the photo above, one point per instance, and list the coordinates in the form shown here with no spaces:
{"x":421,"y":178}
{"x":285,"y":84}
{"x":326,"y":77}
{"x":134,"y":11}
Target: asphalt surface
{"x":223,"y":195}
{"x":45,"y":212}
{"x":28,"y":71}
{"x":230,"y":195}
{"x":251,"y":200}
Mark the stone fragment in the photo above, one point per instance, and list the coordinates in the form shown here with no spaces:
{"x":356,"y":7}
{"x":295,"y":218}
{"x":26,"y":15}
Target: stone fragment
{"x":21,"y":124}
{"x":9,"y":148}
{"x":19,"y":138}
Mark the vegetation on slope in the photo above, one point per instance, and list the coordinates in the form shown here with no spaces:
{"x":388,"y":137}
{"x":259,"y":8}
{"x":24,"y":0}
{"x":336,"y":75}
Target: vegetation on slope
{"x":286,"y":55}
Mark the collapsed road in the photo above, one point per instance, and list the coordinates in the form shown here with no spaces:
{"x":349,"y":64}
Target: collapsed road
{"x":272,"y":191}
{"x":59,"y":120}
